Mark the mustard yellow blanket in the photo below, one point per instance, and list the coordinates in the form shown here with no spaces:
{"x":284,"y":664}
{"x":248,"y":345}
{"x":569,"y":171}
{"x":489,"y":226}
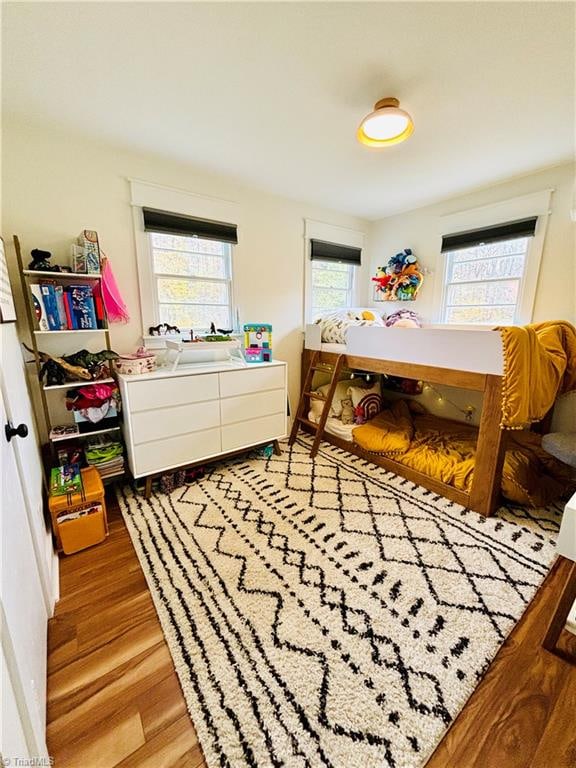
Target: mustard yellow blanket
{"x":539,"y":364}
{"x":446,"y":450}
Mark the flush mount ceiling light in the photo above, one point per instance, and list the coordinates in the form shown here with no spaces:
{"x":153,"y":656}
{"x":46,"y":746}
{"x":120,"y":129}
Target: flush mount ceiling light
{"x":387,"y":125}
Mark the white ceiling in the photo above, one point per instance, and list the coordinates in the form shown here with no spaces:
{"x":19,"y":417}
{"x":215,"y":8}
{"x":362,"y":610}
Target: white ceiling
{"x":272,"y":93}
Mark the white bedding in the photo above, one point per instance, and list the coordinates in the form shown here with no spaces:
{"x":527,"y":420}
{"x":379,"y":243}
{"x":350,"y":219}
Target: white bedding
{"x":339,"y":349}
{"x":336,"y":428}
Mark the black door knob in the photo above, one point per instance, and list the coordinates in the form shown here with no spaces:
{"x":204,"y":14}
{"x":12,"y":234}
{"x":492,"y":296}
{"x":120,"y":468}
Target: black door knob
{"x":20,"y":431}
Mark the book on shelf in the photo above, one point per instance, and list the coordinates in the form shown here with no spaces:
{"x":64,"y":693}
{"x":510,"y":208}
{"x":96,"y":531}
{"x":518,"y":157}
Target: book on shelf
{"x":68,"y":311}
{"x":59,"y":293}
{"x":83,"y":308}
{"x":99,"y":305}
{"x":65,"y":479}
{"x":67,"y":307}
{"x":50,"y":306}
{"x":39,"y":310}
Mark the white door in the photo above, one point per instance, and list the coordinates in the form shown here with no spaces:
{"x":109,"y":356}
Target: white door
{"x":19,"y":409}
{"x":23,"y":613}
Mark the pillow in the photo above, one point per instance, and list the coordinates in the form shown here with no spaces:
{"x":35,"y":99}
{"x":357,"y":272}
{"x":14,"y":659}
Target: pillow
{"x":404,"y":318}
{"x":334,"y":326}
{"x":368,"y":315}
{"x":316,"y":407}
{"x":340,"y":393}
{"x":367,"y":402}
{"x":390,"y":432}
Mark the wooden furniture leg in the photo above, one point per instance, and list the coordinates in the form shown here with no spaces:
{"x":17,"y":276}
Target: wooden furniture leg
{"x":489,"y":450}
{"x":558,"y":620}
{"x":148,"y":487}
{"x":277,"y":449}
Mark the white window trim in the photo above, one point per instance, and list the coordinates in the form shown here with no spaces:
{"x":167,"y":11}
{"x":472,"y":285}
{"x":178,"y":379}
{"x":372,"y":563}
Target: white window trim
{"x":145,"y":194}
{"x":330,"y":233}
{"x":536,"y":204}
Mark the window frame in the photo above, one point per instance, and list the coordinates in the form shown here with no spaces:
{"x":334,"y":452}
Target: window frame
{"x":146,"y":194}
{"x":319,"y":230}
{"x":229,"y":281}
{"x":351,"y":290}
{"x":536,"y":204}
{"x":519,"y":307}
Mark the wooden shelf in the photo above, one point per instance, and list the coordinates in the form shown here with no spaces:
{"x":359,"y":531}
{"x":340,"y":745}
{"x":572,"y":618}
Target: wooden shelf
{"x":28,"y":279}
{"x":84,"y":434}
{"x":61,"y":275}
{"x":73,"y":330}
{"x":110,"y":477}
{"x":79,"y":383}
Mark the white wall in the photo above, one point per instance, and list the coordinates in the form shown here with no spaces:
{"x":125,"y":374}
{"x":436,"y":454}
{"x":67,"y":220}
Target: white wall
{"x":419,"y":230}
{"x":55,"y":184}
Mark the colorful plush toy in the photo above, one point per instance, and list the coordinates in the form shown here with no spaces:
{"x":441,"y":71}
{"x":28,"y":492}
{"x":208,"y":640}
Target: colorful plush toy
{"x":400,"y":279}
{"x":403,"y":318}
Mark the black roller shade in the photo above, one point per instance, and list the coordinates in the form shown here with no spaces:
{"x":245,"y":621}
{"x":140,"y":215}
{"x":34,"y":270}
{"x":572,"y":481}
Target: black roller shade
{"x":345,"y":254}
{"x":521,"y":228}
{"x":177,"y":224}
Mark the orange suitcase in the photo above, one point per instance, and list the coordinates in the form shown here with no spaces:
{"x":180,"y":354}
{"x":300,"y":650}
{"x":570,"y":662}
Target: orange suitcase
{"x":85,"y":531}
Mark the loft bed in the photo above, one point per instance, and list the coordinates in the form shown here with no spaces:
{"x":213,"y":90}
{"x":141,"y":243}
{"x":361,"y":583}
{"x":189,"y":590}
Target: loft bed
{"x":468,"y":359}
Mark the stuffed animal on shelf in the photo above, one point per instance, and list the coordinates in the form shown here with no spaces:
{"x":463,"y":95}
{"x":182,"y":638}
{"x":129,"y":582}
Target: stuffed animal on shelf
{"x":400,"y":279}
{"x":41,"y":261}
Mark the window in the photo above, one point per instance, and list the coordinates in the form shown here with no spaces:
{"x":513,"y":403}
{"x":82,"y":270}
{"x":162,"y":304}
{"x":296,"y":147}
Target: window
{"x":192,"y":281}
{"x":485,"y":272}
{"x":332,"y":256}
{"x":332,"y":286}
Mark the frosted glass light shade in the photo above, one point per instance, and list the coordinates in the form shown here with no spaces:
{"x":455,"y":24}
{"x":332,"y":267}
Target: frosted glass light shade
{"x":387,"y":125}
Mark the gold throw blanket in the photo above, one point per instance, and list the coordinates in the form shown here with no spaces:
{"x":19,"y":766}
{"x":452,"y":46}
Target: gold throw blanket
{"x":539,"y":364}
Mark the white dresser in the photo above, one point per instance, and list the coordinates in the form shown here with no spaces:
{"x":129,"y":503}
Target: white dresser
{"x":200,"y":411}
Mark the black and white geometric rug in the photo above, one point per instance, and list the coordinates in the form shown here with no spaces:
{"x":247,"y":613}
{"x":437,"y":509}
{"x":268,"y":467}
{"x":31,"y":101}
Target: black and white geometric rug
{"x":324,"y":612}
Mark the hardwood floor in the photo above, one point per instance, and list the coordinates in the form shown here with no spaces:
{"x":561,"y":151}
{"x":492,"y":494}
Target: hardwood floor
{"x":114,"y":700}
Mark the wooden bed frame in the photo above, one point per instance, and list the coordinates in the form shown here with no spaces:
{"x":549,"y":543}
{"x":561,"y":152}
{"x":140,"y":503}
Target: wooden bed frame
{"x":485,"y":489}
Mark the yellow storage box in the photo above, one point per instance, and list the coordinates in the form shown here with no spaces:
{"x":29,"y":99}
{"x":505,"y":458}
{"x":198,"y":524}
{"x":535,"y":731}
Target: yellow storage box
{"x":79,"y":521}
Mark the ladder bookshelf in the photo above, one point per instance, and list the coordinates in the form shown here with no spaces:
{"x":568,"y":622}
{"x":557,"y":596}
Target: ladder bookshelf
{"x":27,"y":278}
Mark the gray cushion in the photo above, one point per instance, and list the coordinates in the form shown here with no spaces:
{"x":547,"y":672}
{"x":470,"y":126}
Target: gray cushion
{"x":561,"y":445}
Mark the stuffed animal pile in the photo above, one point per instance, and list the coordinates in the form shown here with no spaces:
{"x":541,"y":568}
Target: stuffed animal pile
{"x":400,"y":279}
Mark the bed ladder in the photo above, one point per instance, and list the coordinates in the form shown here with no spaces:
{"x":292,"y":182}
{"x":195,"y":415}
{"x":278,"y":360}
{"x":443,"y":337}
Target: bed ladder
{"x":301,"y":414}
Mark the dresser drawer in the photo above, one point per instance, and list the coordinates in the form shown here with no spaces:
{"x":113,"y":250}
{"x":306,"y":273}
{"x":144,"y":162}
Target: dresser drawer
{"x":247,"y":433}
{"x":180,"y":390}
{"x":169,"y":422}
{"x":249,"y":380}
{"x":175,"y":451}
{"x":248,"y":407}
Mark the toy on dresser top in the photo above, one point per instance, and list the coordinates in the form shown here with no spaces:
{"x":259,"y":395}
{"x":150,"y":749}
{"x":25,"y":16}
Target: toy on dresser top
{"x":258,"y":342}
{"x":140,"y":362}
